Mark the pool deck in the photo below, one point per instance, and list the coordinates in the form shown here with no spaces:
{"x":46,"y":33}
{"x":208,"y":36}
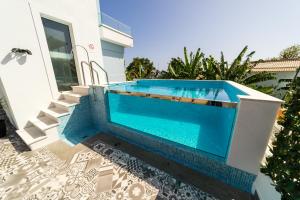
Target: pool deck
{"x":102,"y":167}
{"x":181,"y":173}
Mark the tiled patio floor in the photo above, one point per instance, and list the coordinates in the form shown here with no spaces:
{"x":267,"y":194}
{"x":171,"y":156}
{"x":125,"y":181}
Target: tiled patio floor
{"x":96,"y":171}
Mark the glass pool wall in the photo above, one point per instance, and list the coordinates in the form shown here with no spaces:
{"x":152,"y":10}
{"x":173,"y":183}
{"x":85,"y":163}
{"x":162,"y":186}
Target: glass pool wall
{"x":103,"y":104}
{"x":201,"y":127}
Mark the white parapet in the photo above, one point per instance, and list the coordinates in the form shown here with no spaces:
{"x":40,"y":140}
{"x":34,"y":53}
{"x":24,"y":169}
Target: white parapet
{"x":112,"y":35}
{"x":255,"y":117}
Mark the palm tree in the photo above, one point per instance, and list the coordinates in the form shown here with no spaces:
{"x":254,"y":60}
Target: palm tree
{"x":209,"y":69}
{"x":140,"y":68}
{"x":238,"y":71}
{"x":189,"y":68}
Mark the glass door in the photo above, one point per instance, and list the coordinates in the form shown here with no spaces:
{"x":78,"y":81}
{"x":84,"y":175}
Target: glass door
{"x":60,"y":46}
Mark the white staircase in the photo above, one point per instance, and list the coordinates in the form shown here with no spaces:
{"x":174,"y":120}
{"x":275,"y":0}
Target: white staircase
{"x":43,"y":129}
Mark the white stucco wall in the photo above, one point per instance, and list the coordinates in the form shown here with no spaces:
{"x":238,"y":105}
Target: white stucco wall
{"x":113,"y":61}
{"x":255,"y":118}
{"x":275,"y":83}
{"x":278,"y":75}
{"x":114,"y":36}
{"x":83,"y":21}
{"x":29,"y":81}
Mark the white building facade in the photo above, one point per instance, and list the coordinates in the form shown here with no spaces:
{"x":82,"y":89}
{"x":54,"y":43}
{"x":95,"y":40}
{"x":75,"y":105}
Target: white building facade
{"x":282,"y":70}
{"x":54,"y":32}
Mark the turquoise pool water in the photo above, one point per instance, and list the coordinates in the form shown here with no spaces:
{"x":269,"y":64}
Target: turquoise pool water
{"x":210,"y":90}
{"x":201,"y":127}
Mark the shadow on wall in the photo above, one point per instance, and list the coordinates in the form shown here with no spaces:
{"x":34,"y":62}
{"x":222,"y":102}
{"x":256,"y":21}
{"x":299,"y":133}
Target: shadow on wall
{"x":19,"y":57}
{"x":6,"y":105}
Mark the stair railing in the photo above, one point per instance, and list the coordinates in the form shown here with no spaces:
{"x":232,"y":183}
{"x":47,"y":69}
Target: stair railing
{"x":90,"y":65}
{"x":86,"y":51}
{"x":92,"y":71}
{"x":98,"y":80}
{"x":82,"y":69}
{"x":106,"y":75}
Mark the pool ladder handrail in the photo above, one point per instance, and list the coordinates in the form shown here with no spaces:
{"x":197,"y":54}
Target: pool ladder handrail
{"x":105,"y":72}
{"x":92,"y":71}
{"x":90,"y":65}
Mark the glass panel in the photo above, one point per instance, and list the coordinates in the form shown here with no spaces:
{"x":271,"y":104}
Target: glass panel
{"x":60,"y":46}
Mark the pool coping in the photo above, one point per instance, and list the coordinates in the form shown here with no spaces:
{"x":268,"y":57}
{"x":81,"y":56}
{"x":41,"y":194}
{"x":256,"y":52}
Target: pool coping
{"x":230,"y":174}
{"x":250,"y":94}
{"x":177,"y":99}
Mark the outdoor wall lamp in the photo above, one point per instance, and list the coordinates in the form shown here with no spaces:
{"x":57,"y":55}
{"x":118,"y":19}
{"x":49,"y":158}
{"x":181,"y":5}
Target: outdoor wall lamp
{"x":18,"y":50}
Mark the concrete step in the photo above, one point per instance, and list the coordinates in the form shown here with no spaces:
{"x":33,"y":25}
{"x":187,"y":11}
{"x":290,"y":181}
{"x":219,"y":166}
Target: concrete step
{"x":70,"y":96}
{"x":63,"y":104}
{"x":83,"y":90}
{"x":32,"y":136}
{"x":44,"y":123}
{"x":55,"y":112}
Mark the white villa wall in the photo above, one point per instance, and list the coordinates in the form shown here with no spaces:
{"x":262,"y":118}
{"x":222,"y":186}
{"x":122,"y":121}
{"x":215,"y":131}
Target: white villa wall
{"x":114,"y":36}
{"x":113,"y":61}
{"x":255,"y":118}
{"x":278,"y":75}
{"x":24,"y":78}
{"x":83,"y":21}
{"x":29,"y":81}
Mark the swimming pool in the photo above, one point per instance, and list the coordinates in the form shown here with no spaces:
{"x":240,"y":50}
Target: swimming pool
{"x":212,"y":91}
{"x":218,"y":128}
{"x":196,"y":115}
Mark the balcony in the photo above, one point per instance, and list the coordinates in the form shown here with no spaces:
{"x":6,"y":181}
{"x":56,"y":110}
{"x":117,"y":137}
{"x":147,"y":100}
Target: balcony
{"x":114,"y":31}
{"x":109,"y":21}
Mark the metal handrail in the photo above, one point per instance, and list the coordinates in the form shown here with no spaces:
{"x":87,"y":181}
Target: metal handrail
{"x":106,"y":75}
{"x":90,"y":65}
{"x":97,"y":76}
{"x":81,"y":64}
{"x":86,"y":51}
{"x":92,"y":71}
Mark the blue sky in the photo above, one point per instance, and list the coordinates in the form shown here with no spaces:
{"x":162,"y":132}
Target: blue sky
{"x":161,"y":28}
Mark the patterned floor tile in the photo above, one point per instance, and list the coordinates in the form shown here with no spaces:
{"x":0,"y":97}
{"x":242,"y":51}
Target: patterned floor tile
{"x":97,"y":171}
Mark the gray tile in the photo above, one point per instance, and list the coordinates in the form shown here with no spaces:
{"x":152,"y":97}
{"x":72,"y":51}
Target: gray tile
{"x":92,"y":170}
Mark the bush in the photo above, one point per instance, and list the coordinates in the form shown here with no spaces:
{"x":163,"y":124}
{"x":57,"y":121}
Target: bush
{"x":284,"y":165}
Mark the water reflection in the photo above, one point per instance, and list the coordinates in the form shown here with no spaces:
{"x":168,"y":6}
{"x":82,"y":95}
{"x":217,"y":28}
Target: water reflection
{"x":218,"y":94}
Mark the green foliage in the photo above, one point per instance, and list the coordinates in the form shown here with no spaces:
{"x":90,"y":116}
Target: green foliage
{"x":283,"y":89}
{"x":284,"y":165}
{"x":196,"y":66}
{"x":292,"y":52}
{"x":209,"y":69}
{"x":238,"y":71}
{"x":187,"y":68}
{"x":140,"y":68}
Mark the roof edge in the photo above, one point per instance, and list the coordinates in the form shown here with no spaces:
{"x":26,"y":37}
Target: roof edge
{"x":280,"y":60}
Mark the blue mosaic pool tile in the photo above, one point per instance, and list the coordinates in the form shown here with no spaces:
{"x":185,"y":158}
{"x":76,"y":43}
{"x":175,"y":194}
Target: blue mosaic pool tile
{"x":217,"y":169}
{"x":200,"y":161}
{"x":79,"y":121}
{"x":98,"y":109}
